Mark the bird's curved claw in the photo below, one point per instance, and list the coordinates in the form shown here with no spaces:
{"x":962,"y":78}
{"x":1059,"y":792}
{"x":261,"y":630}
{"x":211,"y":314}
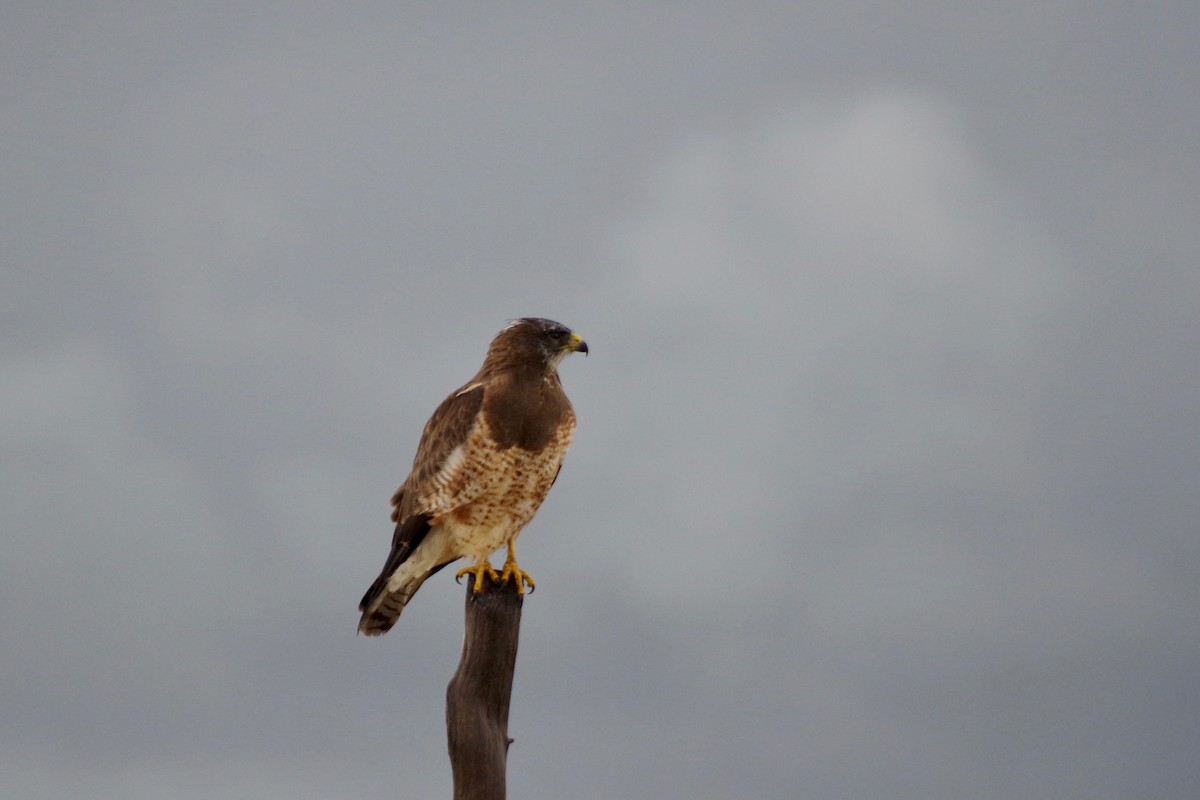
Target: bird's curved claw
{"x":478,"y":571}
{"x":519,"y":576}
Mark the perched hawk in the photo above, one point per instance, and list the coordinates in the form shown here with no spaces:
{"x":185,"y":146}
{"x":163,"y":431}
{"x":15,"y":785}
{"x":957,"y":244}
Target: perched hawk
{"x":486,"y":460}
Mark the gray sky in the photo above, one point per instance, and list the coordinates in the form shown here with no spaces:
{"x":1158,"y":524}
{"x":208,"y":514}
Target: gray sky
{"x":886,"y":476}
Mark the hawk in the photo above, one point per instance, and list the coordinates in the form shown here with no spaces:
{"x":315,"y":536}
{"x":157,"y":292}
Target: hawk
{"x":486,"y":461}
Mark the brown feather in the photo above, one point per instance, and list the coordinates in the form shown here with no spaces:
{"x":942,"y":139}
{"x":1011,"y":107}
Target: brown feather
{"x":446,"y":429}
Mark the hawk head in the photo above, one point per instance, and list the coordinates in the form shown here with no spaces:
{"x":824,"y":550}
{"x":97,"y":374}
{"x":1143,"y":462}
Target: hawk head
{"x":533,"y":339}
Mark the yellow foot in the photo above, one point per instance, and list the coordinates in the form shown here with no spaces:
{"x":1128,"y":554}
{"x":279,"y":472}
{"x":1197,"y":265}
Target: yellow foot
{"x":479,"y":570}
{"x":518,"y":575}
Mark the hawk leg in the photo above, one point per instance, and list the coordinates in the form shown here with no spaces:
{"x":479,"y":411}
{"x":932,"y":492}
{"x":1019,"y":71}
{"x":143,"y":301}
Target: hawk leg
{"x":479,"y":570}
{"x":518,"y":575}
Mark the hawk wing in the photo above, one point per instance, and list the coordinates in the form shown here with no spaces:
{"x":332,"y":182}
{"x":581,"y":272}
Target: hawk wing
{"x":447,"y":430}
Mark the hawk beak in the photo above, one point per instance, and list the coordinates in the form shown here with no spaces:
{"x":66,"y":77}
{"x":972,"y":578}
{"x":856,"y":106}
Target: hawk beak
{"x":576,"y":344}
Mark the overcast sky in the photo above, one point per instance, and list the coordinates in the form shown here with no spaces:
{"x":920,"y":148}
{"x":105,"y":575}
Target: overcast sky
{"x":886,"y":477}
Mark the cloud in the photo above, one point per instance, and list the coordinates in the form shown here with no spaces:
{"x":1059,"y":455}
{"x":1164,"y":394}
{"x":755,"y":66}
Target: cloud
{"x":115,"y":551}
{"x":884,"y":480}
{"x":864,"y":312}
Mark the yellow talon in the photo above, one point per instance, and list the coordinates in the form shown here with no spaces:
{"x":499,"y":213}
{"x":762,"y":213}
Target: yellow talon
{"x":479,"y":570}
{"x":518,"y":575}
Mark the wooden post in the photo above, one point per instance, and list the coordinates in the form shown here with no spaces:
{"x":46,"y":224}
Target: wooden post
{"x":478,"y":696}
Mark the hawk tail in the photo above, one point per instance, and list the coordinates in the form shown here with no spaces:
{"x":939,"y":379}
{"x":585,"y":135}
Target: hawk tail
{"x":387,"y":597}
{"x":400,"y":578}
{"x":385,"y":600}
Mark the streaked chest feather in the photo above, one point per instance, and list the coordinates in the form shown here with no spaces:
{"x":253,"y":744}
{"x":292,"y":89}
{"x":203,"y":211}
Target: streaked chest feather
{"x":490,"y":489}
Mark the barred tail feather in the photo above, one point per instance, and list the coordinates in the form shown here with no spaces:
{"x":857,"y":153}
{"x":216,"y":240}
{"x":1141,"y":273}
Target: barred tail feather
{"x":383,"y":602}
{"x":402,"y":576}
